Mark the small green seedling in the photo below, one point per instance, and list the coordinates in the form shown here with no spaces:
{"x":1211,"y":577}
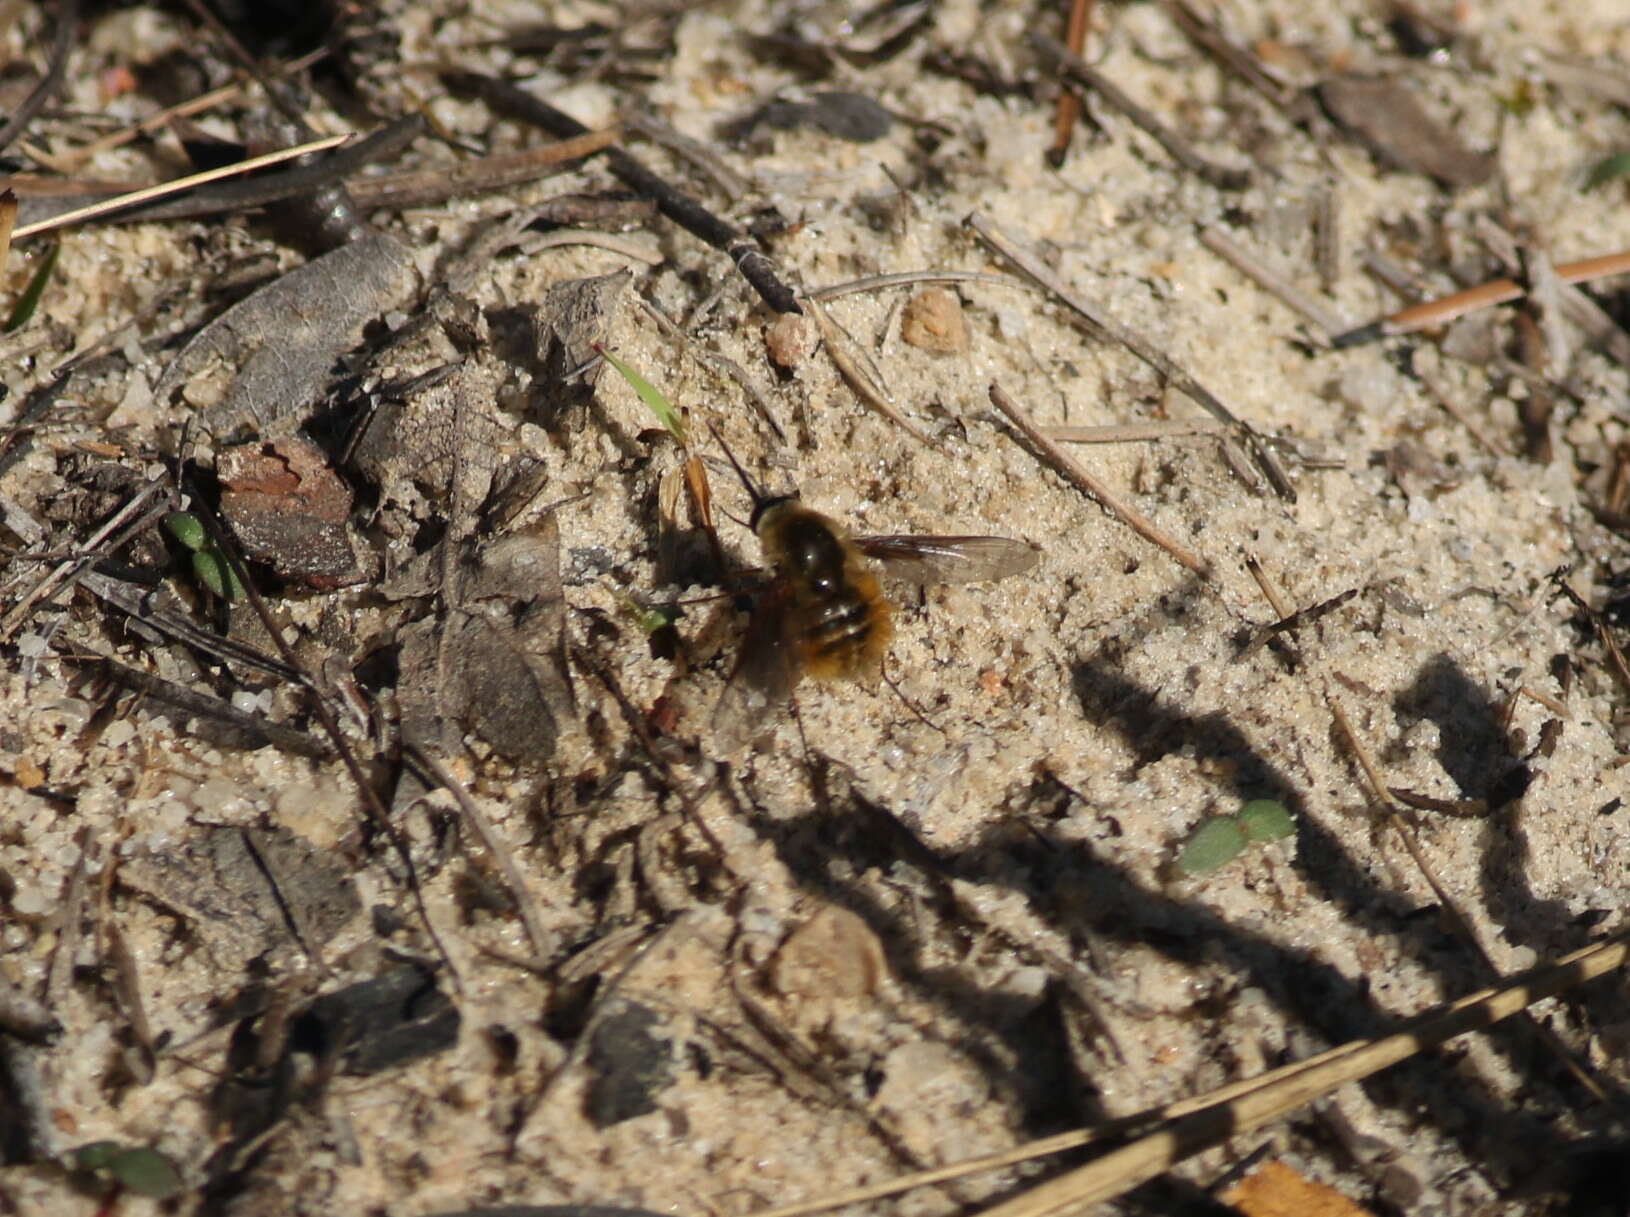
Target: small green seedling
{"x":1609,"y":169}
{"x":23,"y":310}
{"x":209,"y":564}
{"x":1214,"y":845}
{"x":652,"y":396}
{"x":650,"y":618}
{"x":136,"y":1168}
{"x":1266,"y":820}
{"x":188,"y":529}
{"x":1221,"y":839}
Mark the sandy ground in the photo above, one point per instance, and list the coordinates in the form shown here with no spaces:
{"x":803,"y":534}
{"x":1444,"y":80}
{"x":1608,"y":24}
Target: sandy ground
{"x":924,"y":923}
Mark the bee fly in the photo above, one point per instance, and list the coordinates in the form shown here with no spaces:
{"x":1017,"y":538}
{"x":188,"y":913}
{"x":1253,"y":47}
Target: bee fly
{"x":823,"y":612}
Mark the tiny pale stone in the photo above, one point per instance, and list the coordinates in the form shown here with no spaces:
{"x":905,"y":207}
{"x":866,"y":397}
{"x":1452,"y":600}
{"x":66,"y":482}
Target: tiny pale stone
{"x":789,"y":340}
{"x":832,"y":955}
{"x":933,"y":321}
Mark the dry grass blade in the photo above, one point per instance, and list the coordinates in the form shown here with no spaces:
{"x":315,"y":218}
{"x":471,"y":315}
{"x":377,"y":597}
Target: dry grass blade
{"x":1232,"y":1111}
{"x":722,"y":364}
{"x":877,"y":283}
{"x":1179,"y":1130}
{"x":836,"y":343}
{"x":1102,"y":325}
{"x":148,"y":193}
{"x":1086,"y":482}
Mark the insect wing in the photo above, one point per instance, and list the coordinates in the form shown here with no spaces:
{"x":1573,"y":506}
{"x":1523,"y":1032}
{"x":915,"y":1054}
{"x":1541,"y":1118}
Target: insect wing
{"x":949,"y":559}
{"x":767,"y":669}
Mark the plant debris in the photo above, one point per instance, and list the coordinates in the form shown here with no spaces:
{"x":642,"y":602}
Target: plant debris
{"x":1384,"y":115}
{"x":370,"y":837}
{"x":289,"y":509}
{"x":845,"y":116}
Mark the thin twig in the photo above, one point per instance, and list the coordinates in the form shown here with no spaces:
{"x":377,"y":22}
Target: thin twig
{"x":1327,"y":239}
{"x":323,"y":178}
{"x":603,"y":1002}
{"x":127,"y":989}
{"x":1293,"y":297}
{"x":1082,"y":72}
{"x":1289,"y":623}
{"x":328,"y":173}
{"x":1485,"y":295}
{"x":184,"y":109}
{"x":1238,"y":1106}
{"x":62,"y":42}
{"x":66,"y":572}
{"x":70,"y":912}
{"x":200,"y":705}
{"x":371,"y":801}
{"x":754,"y":265}
{"x":1453,"y":410}
{"x":134,"y":601}
{"x":163,"y":189}
{"x":1239,"y":61}
{"x":543,"y":942}
{"x":1103,"y":325}
{"x":1068,"y":109}
{"x":612,"y":241}
{"x":8,"y":221}
{"x":1547,"y":288}
{"x":1384,"y":800}
{"x":282,"y":103}
{"x":498,"y":172}
{"x":1388,"y":272}
{"x":735,"y":186}
{"x":1126,"y":433}
{"x":1086,"y":482}
{"x":1286,"y":650}
{"x":877,"y":283}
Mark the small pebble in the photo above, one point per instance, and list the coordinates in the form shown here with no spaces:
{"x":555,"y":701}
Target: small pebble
{"x":933,"y":321}
{"x":789,"y":341}
{"x":832,"y":955}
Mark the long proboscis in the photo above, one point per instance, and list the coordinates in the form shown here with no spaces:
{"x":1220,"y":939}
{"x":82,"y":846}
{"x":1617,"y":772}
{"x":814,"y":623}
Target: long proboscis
{"x":760,"y":499}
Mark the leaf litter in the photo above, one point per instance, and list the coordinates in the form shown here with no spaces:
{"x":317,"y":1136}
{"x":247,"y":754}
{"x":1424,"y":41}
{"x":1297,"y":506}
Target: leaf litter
{"x":635,"y":976}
